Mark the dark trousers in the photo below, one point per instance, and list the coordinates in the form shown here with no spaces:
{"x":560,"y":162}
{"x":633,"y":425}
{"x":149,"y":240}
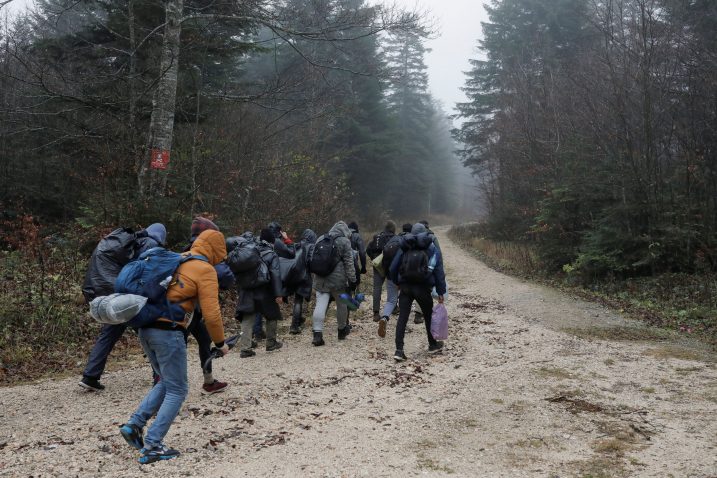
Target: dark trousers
{"x":422,"y":295}
{"x":109,"y":335}
{"x":297,"y":319}
{"x":199,"y":331}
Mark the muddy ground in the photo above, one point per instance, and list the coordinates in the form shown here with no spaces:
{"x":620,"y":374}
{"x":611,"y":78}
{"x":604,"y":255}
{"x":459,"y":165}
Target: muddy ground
{"x":532,"y":383}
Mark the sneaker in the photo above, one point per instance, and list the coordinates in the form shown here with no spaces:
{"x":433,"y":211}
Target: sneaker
{"x":376,"y":316}
{"x":214,"y":387}
{"x":246,"y":353}
{"x":91,"y":384}
{"x":158,"y":453}
{"x":382,"y":326}
{"x":399,"y":356}
{"x":435,"y":348}
{"x":132,"y":434}
{"x":343,"y":333}
{"x":417,"y":318}
{"x":272,"y":345}
{"x":294,"y":330}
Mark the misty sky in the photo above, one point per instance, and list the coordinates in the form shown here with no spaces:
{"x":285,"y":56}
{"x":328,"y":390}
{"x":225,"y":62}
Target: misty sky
{"x":459,"y":28}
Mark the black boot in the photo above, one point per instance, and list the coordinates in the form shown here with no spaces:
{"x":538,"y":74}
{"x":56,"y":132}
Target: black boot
{"x":343,"y":333}
{"x":272,"y":345}
{"x":318,"y":339}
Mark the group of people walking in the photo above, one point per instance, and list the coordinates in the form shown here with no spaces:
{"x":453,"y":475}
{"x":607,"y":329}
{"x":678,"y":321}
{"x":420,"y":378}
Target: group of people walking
{"x":267,"y":271}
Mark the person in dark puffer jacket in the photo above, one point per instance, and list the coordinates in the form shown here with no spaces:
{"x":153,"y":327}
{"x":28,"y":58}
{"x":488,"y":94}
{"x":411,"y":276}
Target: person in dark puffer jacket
{"x":418,"y":291}
{"x":264,"y":300}
{"x":303,"y":291}
{"x":154,"y":236}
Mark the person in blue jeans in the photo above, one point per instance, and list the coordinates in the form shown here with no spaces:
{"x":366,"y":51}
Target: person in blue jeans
{"x":163,"y":343}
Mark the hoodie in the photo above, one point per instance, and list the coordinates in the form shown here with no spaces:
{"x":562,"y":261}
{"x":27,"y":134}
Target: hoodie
{"x":344,"y":273}
{"x":196,"y":281}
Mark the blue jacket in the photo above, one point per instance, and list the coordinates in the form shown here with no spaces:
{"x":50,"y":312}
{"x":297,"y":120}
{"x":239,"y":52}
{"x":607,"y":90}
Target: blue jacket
{"x":437,"y":278}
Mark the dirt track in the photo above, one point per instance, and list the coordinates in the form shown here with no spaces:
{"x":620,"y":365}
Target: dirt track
{"x":530,"y":384}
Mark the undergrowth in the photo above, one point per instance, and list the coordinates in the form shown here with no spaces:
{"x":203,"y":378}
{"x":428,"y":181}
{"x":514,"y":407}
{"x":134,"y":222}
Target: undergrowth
{"x":683,"y":302}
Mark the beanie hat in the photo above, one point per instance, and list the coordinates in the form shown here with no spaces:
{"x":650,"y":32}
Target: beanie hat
{"x":407,"y":227}
{"x":201,"y":224}
{"x":158,"y":232}
{"x":390,"y":227}
{"x":267,"y":235}
{"x":418,"y":228}
{"x":353,"y":225}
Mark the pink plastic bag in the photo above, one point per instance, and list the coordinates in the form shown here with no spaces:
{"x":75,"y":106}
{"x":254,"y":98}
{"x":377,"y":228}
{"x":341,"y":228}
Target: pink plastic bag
{"x":439,"y":322}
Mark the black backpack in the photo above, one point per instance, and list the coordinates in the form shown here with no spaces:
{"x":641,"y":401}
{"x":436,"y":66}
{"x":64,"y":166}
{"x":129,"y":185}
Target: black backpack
{"x":390,"y":250}
{"x":414,"y":265}
{"x":243,"y":255}
{"x":325,"y":256}
{"x":113,"y":252}
{"x":257,"y":277}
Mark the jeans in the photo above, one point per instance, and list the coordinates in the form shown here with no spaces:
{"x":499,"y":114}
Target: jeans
{"x":258,"y":323}
{"x":422,"y":295}
{"x":167,"y":352}
{"x":109,"y":335}
{"x":391,"y":299}
{"x":378,"y":280}
{"x":322,"y":305}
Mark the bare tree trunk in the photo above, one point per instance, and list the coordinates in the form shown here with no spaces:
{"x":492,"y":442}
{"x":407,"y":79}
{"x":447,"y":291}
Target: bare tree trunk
{"x":159,"y":143}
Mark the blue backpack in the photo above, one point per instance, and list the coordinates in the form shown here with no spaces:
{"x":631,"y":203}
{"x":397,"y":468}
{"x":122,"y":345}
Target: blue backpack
{"x":150,"y":276}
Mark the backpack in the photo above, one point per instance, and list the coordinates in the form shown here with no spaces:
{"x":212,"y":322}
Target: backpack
{"x":325,"y":256}
{"x":378,"y":242}
{"x":113,"y":252}
{"x":390,"y":250}
{"x":416,"y":265}
{"x":150,"y":276}
{"x":257,"y":277}
{"x":243,"y":255}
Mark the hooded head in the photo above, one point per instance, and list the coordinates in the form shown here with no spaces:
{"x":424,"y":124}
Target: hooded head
{"x":407,"y":227}
{"x":390,"y":227}
{"x":267,"y":235}
{"x":158,"y":232}
{"x":308,"y":236}
{"x":341,"y":229}
{"x":418,"y":228}
{"x":211,"y":245}
{"x":353,"y":225}
{"x":275,"y":229}
{"x":201,"y":224}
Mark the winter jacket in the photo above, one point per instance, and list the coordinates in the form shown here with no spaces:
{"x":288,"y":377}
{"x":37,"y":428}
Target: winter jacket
{"x":197,"y":282}
{"x":437,"y":278}
{"x":358,"y":246}
{"x":271,"y":290}
{"x":344,"y":273}
{"x":306,"y":244}
{"x":379,"y":241}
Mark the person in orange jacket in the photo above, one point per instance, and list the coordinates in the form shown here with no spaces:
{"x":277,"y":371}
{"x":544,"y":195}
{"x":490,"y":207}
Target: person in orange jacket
{"x":164,"y":344}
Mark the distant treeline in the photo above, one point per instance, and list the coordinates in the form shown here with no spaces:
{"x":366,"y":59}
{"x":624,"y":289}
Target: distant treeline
{"x":295,"y":110}
{"x":593,"y":126}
